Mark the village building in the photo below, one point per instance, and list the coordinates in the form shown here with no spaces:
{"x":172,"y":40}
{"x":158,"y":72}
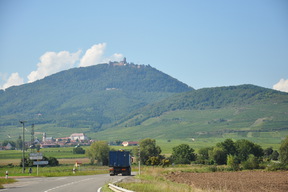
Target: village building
{"x":8,"y":146}
{"x":62,"y":139}
{"x":78,"y":136}
{"x":129,"y":143}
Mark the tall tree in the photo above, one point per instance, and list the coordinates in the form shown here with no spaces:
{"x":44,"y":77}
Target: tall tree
{"x":148,"y":149}
{"x":183,"y":154}
{"x":98,"y":151}
{"x":218,"y":155}
{"x":284,"y":151}
{"x":245,"y":148}
{"x":229,"y":146}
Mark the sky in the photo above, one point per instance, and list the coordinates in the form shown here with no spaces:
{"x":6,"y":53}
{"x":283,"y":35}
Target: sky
{"x":203,"y":43}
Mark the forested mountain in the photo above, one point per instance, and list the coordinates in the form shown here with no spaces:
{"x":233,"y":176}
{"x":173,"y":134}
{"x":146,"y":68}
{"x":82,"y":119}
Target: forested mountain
{"x":116,"y":101}
{"x":211,"y":98}
{"x":87,"y":97}
{"x":245,"y":110}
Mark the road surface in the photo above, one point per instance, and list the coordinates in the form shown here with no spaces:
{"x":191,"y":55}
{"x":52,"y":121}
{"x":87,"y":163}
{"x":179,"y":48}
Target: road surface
{"x":56,"y":184}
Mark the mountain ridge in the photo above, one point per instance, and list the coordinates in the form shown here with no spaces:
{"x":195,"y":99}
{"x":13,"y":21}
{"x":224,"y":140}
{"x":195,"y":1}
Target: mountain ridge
{"x":89,"y":97}
{"x":109,"y":101}
{"x":238,"y":111}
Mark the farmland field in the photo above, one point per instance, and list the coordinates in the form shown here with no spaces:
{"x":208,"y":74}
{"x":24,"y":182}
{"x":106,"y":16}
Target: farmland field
{"x":241,"y":181}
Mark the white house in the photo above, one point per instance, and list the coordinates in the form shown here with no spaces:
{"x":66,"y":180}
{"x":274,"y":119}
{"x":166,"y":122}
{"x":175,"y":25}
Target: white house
{"x":129,"y":143}
{"x":78,"y":136}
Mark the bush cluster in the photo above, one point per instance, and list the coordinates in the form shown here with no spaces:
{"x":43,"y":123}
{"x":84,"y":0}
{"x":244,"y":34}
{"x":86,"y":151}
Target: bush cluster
{"x":241,"y":154}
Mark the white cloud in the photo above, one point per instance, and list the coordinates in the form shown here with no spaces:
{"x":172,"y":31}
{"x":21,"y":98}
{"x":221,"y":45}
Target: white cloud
{"x":52,"y":62}
{"x":282,"y":85}
{"x":95,"y":55}
{"x":13,"y":80}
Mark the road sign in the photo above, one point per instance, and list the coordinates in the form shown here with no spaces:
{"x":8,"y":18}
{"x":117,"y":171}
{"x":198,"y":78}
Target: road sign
{"x":40,"y":162}
{"x":36,"y":156}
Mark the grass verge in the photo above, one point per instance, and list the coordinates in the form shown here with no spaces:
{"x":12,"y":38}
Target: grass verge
{"x":5,"y":181}
{"x":153,"y":180}
{"x":58,"y":171}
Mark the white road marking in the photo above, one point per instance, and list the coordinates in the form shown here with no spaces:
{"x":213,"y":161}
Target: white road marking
{"x":74,"y":182}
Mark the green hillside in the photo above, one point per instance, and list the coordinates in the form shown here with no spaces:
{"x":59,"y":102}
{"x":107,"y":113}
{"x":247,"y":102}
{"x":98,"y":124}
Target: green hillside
{"x":244,"y":111}
{"x":84,"y":99}
{"x":132,"y":102}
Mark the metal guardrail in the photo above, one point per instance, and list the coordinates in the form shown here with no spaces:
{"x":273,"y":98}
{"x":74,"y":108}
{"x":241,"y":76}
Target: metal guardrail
{"x":118,"y":189}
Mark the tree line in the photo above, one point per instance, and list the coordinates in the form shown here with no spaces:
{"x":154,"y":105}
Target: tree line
{"x":237,"y":155}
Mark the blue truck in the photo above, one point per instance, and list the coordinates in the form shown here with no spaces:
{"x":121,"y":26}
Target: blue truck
{"x":120,"y":162}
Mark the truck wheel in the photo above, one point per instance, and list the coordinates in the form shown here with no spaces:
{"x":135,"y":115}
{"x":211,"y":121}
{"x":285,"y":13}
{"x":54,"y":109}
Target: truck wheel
{"x":129,"y":171}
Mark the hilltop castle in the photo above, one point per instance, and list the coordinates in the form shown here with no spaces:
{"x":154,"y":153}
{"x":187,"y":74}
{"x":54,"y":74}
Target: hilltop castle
{"x":125,"y":63}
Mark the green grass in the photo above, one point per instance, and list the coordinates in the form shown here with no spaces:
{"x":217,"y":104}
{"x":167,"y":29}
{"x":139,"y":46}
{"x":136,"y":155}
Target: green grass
{"x":260,"y":124}
{"x":10,"y":154}
{"x":61,"y":153}
{"x":152,"y":179}
{"x":58,"y":171}
{"x":265,"y":124}
{"x":6,"y":181}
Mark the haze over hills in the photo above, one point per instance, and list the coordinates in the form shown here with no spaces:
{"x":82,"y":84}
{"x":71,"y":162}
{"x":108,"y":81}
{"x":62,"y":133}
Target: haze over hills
{"x":119,"y":101}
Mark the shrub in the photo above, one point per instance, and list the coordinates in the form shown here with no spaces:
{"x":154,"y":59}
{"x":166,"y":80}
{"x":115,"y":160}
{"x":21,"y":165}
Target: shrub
{"x":233,"y":163}
{"x":218,"y":155}
{"x":183,"y":154}
{"x":78,"y":150}
{"x":277,"y":166}
{"x":275,"y":155}
{"x":284,"y":151}
{"x":251,"y":163}
{"x":53,"y":161}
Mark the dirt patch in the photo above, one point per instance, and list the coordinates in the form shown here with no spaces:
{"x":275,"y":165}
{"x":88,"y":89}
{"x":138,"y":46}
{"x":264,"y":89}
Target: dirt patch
{"x":241,"y":181}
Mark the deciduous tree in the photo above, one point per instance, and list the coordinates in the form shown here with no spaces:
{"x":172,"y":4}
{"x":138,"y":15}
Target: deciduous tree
{"x":218,"y":155}
{"x":284,"y":151}
{"x":98,"y":151}
{"x":148,"y":149}
{"x":245,"y":148}
{"x":183,"y":154}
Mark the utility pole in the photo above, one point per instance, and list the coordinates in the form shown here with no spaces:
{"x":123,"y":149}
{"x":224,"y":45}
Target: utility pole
{"x":23,"y":146}
{"x":32,"y":146}
{"x":139,"y":161}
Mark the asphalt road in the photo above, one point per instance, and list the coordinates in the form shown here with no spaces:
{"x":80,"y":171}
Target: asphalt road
{"x":56,"y":184}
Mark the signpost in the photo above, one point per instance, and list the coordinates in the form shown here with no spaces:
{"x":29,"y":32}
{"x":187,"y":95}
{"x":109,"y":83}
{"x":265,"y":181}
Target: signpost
{"x":40,"y":163}
{"x":37,"y":156}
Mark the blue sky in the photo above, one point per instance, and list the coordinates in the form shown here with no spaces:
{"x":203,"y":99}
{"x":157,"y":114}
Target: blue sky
{"x":204,"y":43}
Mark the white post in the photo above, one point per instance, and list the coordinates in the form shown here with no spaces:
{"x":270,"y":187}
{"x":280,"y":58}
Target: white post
{"x":139,"y":169}
{"x":139,"y":162}
{"x":37,"y":169}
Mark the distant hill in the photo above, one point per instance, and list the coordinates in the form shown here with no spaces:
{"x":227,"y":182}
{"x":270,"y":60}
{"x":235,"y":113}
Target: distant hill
{"x":88,"y":97}
{"x":234,"y":111}
{"x":119,"y":101}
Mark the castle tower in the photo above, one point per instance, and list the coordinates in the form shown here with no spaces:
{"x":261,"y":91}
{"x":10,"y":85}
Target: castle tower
{"x":124,"y":60}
